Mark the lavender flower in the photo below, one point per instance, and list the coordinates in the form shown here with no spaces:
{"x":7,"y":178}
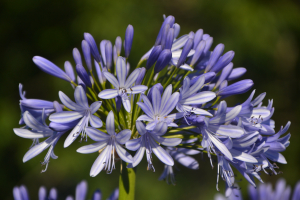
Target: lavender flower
{"x":122,"y":86}
{"x":79,"y":118}
{"x":147,"y":142}
{"x":108,"y":144}
{"x":158,"y":110}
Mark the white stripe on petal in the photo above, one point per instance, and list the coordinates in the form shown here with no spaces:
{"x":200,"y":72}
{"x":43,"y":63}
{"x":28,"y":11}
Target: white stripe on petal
{"x":146,"y":109}
{"x":68,"y":102}
{"x":123,"y":154}
{"x":25,"y":133}
{"x":156,"y":100}
{"x":170,"y":105}
{"x":200,"y":98}
{"x":138,"y":156}
{"x":108,"y":94}
{"x":170,"y":142}
{"x":99,"y":162}
{"x":95,"y":106}
{"x":126,"y":104}
{"x":92,"y":147}
{"x":161,"y":154}
{"x":112,"y":79}
{"x":110,"y":123}
{"x":65,"y":116}
{"x":80,"y":97}
{"x":137,"y":89}
{"x":121,"y":71}
{"x":96,"y":135}
{"x":165,"y":97}
{"x":33,"y":123}
{"x":132,"y":77}
{"x":95,"y":121}
{"x":133,"y":144}
{"x":144,"y":118}
{"x":180,"y":42}
{"x":123,"y":136}
{"x":242,"y":156}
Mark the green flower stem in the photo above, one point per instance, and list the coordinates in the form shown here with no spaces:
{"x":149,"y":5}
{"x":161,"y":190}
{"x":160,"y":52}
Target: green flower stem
{"x":98,"y":87}
{"x":179,"y":82}
{"x":170,"y":78}
{"x":126,"y":182}
{"x":181,"y":129}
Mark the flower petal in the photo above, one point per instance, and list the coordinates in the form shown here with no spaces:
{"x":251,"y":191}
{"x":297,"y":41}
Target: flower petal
{"x":123,"y":154}
{"x":161,"y":154}
{"x":140,"y":127}
{"x":242,"y":156}
{"x":95,"y":121}
{"x":96,"y":135}
{"x":133,"y":144}
{"x":100,"y":162}
{"x":220,"y":145}
{"x":132,"y":77}
{"x":80,"y":97}
{"x":121,"y":70}
{"x":108,"y":94}
{"x":146,"y":109}
{"x":110,"y":123}
{"x":165,"y":97}
{"x":91,"y":148}
{"x":186,"y":161}
{"x":160,"y":129}
{"x":148,"y":104}
{"x":112,"y":79}
{"x":126,"y":104}
{"x":150,"y":126}
{"x":138,"y":156}
{"x":25,"y":133}
{"x":123,"y":136}
{"x":156,"y":100}
{"x":229,"y":116}
{"x":68,"y":102}
{"x":65,"y":116}
{"x":33,"y":123}
{"x":200,"y":98}
{"x":276,"y":157}
{"x":95,"y":106}
{"x":171,"y":104}
{"x":144,"y":118}
{"x":137,"y":89}
{"x":180,"y":42}
{"x":170,"y":142}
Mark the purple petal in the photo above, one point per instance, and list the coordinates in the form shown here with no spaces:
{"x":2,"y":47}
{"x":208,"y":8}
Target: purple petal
{"x":91,"y":148}
{"x":69,"y":70}
{"x":50,"y":68}
{"x":80,"y":97}
{"x":171,"y":104}
{"x":108,"y":94}
{"x":170,"y":142}
{"x":146,"y":109}
{"x":112,"y":79}
{"x":99,"y":163}
{"x":95,"y":106}
{"x":95,"y":121}
{"x":94,"y":49}
{"x":132,"y":78}
{"x":123,"y":136}
{"x":123,"y":154}
{"x":68,"y":102}
{"x":65,"y":116}
{"x":133,"y":144}
{"x":110,"y":123}
{"x":77,"y":56}
{"x":161,"y":154}
{"x":87,"y":54}
{"x":128,"y":40}
{"x":96,"y":135}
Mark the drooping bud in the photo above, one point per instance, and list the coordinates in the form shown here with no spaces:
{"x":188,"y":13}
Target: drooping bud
{"x":197,"y":38}
{"x":69,"y":70}
{"x":118,"y":44}
{"x":170,"y":38}
{"x":214,"y":56}
{"x":237,"y":73}
{"x":50,"y":68}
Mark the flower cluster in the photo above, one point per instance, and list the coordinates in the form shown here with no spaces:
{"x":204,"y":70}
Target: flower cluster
{"x":20,"y":193}
{"x":264,"y":192}
{"x":175,"y":107}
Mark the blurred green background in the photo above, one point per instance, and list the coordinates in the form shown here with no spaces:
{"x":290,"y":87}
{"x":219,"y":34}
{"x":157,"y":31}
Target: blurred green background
{"x":265,"y":36}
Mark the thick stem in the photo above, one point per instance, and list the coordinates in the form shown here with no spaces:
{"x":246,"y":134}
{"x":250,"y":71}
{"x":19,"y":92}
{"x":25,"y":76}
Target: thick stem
{"x":126,"y":182}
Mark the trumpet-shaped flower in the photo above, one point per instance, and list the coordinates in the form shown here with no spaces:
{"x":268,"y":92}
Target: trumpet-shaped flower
{"x":35,"y":131}
{"x":107,"y":144}
{"x":122,"y":86}
{"x":147,"y":142}
{"x":158,"y":111}
{"x":81,"y":115}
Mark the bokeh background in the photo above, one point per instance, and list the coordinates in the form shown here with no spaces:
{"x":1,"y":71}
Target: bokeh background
{"x":265,"y":36}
